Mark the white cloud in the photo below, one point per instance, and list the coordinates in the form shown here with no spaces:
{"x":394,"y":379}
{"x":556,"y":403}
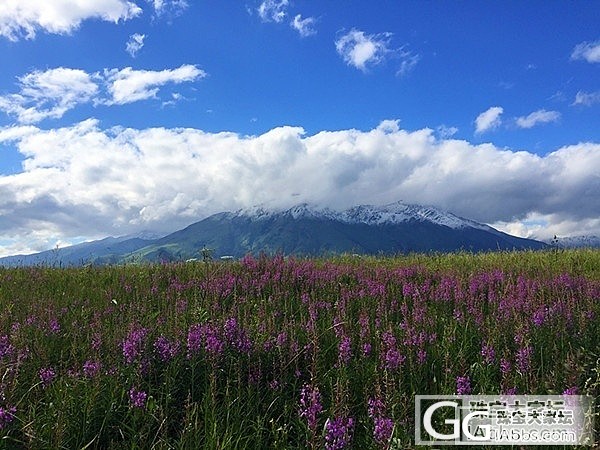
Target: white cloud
{"x":488,"y":120}
{"x":588,"y":51}
{"x":129,"y":85}
{"x":361,"y":50}
{"x":537,"y":117}
{"x":273,"y":10}
{"x":169,"y":6}
{"x":446,"y":132}
{"x":135,"y":44}
{"x":86,"y":181}
{"x":587,"y":98}
{"x":49,"y":94}
{"x":306,"y":27}
{"x":24,"y":18}
{"x":546,"y":226}
{"x":408,"y":63}
{"x":16,"y":133}
{"x":175,"y":98}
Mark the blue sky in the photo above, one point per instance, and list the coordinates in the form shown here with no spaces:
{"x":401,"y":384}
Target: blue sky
{"x":118,"y":116}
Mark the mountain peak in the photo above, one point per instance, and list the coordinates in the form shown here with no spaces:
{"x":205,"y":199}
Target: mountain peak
{"x":301,"y":210}
{"x":303,"y":229}
{"x":392,"y":213}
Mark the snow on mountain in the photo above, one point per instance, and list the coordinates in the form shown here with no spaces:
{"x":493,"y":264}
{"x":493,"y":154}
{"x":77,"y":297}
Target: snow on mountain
{"x":303,"y":229}
{"x":575,"y":241}
{"x":398,"y":212}
{"x":393,"y":213}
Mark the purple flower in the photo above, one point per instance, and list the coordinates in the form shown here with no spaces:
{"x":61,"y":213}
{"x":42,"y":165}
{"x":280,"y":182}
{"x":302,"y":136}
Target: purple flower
{"x":281,"y":339}
{"x":463,"y":385}
{"x":383,"y":426}
{"x":205,"y":336}
{"x":366,"y":348}
{"x":47,"y":375}
{"x":421,"y":356}
{"x":231,"y":329}
{"x":137,"y":399}
{"x":392,"y":358}
{"x":6,"y":348}
{"x":133,"y":344}
{"x":363,"y":322}
{"x":310,"y":406}
{"x":91,"y":368}
{"x":375,"y":407}
{"x":539,"y":316}
{"x":488,"y":353}
{"x":53,"y":326}
{"x":194,"y":339}
{"x":505,"y":366}
{"x":574,"y":390}
{"x":96,"y":341}
{"x":7,"y":415}
{"x":165,"y":348}
{"x":523,"y":359}
{"x":214,"y":345}
{"x":236,"y":336}
{"x":338,"y":433}
{"x":344,"y":351}
{"x":382,"y":433}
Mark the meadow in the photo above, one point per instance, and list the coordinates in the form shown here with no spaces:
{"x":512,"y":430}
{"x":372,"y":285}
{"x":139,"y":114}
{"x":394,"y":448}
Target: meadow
{"x":284,"y":353}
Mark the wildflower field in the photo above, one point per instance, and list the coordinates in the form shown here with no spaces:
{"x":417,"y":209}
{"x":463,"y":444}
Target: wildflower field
{"x":285,"y":353}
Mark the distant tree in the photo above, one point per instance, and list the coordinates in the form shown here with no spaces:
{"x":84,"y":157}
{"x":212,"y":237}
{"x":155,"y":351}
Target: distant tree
{"x":207,"y":253}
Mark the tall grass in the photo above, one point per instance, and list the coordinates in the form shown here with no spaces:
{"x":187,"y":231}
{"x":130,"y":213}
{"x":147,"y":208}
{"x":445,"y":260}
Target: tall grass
{"x":285,"y":353}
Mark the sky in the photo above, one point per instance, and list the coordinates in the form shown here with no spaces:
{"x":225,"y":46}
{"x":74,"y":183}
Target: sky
{"x":122,"y":116}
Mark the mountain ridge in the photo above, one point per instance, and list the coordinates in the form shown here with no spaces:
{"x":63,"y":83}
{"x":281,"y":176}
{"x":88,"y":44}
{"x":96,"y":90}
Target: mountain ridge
{"x":303,"y":229}
{"x":369,"y":214}
{"x":581,"y":241}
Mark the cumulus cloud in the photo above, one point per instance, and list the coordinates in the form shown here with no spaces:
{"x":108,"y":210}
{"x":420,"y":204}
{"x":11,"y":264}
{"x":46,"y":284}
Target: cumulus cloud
{"x":587,"y":98}
{"x":24,"y":18}
{"x":546,"y":226}
{"x":87,"y":181}
{"x":588,"y":51}
{"x":488,"y":120}
{"x":306,"y":27}
{"x":273,"y":10}
{"x":129,"y":85}
{"x":135,"y":44}
{"x":49,"y":94}
{"x":537,"y":117}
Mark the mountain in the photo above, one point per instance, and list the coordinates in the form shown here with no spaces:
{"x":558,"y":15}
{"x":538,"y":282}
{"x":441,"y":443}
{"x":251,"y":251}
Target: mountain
{"x":104,"y":251}
{"x":301,"y":230}
{"x":309,"y":230}
{"x":575,"y":242}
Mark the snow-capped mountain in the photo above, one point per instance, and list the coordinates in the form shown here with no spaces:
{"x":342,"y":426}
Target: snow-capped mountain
{"x":575,"y":242}
{"x":306,"y":229}
{"x":393,"y":213}
{"x":300,"y":230}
